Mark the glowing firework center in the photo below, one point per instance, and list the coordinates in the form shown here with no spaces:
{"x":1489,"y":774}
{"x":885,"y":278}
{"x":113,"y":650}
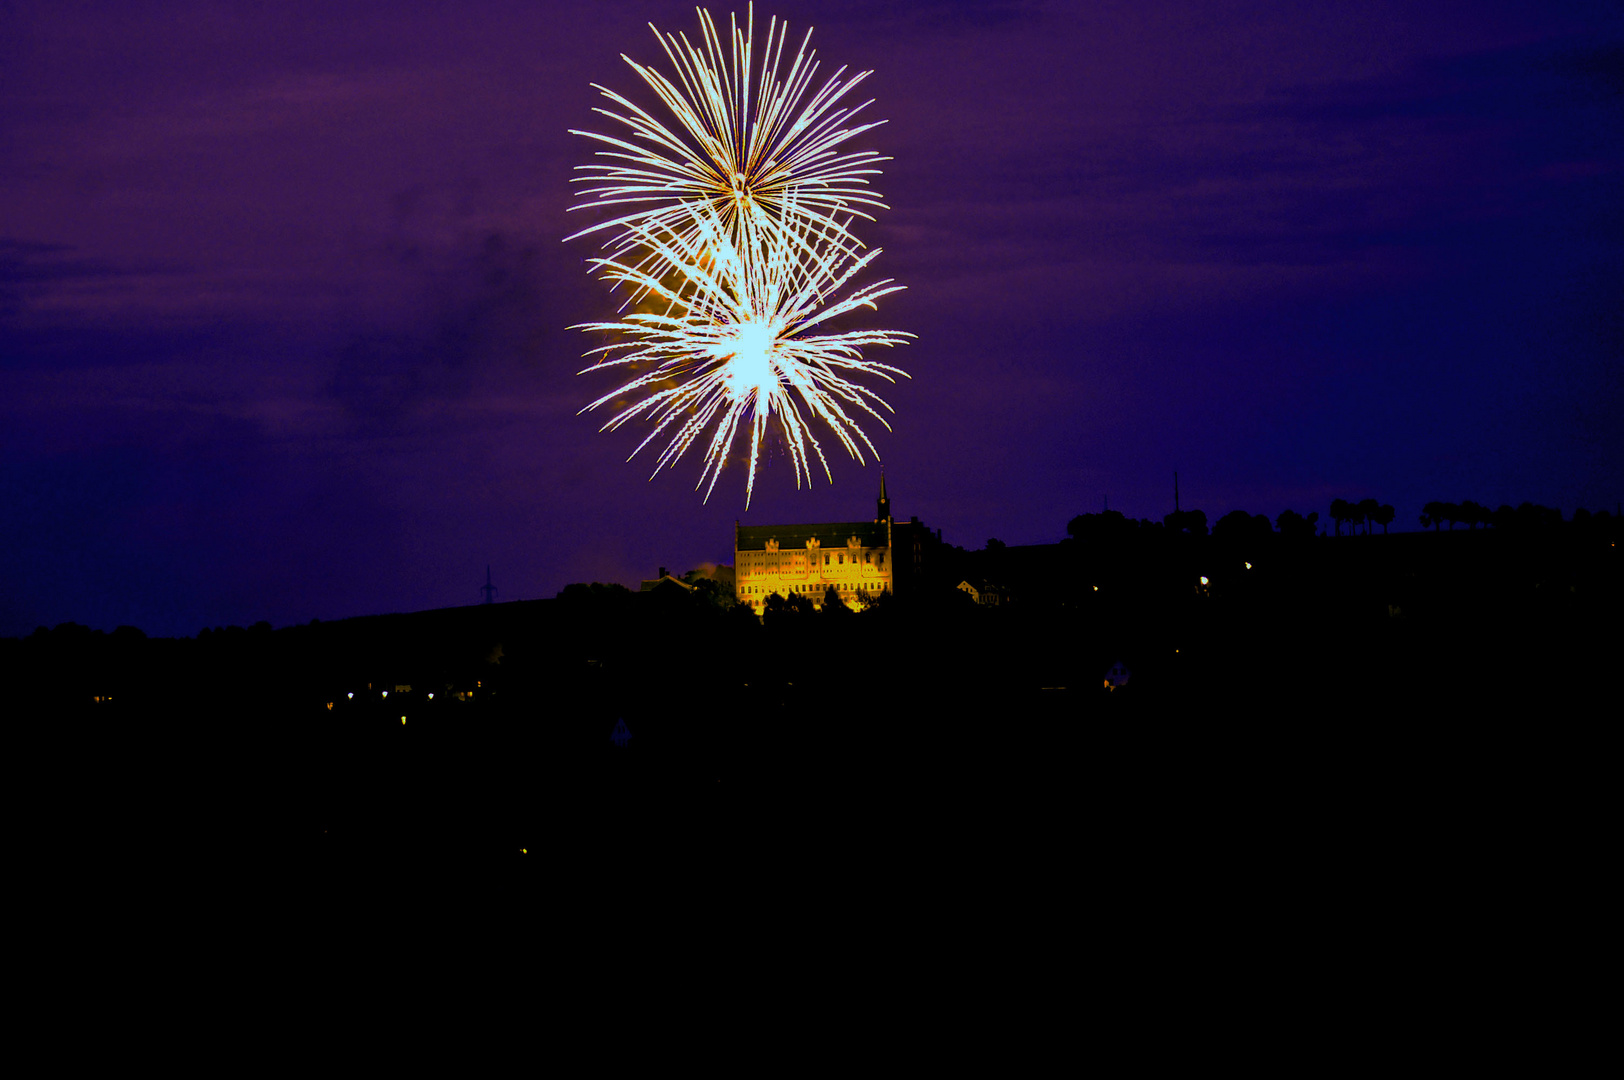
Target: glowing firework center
{"x":740,"y":227}
{"x":747,"y":353}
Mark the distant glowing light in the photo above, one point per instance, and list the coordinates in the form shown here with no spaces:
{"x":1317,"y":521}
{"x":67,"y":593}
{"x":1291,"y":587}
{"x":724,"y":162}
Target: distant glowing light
{"x":1203,"y":581}
{"x":403,"y":720}
{"x":351,"y":694}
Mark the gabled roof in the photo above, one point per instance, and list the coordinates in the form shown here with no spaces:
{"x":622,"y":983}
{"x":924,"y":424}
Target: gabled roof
{"x":650,"y":586}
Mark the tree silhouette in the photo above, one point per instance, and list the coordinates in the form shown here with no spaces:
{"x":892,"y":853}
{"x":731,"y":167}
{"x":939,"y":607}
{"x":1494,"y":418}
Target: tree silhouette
{"x":1527,"y":517}
{"x":1239,"y":525}
{"x":1367,"y":510}
{"x":833,"y":605}
{"x":1232,"y":526}
{"x":1341,"y":511}
{"x":994,"y":558}
{"x":708,"y":593}
{"x":877,"y":603}
{"x":1383,"y":516}
{"x":597,"y":593}
{"x":1099,"y":528}
{"x":1193,"y":522}
{"x":1532,"y":515}
{"x":1292,"y":524}
{"x":778,"y":606}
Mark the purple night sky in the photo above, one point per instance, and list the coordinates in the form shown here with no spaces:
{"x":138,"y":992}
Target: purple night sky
{"x":284,"y":297}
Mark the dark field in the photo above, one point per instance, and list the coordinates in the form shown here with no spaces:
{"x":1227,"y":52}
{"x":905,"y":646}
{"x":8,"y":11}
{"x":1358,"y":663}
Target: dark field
{"x":1359,"y":795}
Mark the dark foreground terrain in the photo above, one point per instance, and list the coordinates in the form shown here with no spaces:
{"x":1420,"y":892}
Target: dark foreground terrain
{"x":1334,"y":688}
{"x":1382,"y":763}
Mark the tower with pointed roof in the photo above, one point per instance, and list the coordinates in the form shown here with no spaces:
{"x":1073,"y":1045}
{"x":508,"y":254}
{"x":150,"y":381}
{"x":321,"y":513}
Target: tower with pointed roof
{"x":858,"y":559}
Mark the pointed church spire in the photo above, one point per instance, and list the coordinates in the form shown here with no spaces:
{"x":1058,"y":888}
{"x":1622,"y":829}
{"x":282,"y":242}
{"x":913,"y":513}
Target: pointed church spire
{"x":883,"y":512}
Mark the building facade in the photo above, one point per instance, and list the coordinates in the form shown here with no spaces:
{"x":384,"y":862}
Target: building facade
{"x":858,"y":559}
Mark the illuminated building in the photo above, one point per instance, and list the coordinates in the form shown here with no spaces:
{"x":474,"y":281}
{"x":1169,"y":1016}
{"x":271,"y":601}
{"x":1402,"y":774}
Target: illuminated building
{"x":982,"y":592}
{"x":855,"y":558}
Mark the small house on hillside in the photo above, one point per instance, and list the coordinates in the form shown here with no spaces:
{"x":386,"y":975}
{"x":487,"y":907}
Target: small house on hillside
{"x":665,"y":583}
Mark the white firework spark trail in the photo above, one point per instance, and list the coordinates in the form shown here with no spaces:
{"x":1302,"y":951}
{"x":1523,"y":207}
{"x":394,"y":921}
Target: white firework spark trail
{"x":737,"y":220}
{"x":734,"y":346}
{"x":761,"y":152}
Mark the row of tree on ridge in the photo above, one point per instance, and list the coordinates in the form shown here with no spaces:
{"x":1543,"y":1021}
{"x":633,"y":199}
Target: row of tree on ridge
{"x":1238,"y":524}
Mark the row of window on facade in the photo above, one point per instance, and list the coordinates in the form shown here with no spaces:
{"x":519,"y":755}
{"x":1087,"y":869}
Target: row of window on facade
{"x":816,"y":590}
{"x":872,"y":559}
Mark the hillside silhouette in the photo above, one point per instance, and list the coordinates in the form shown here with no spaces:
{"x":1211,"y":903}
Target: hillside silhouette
{"x":1254,"y":668}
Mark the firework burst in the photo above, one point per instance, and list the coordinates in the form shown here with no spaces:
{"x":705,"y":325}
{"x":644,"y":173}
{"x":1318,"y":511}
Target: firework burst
{"x":759,"y":149}
{"x":738,"y":254}
{"x":735,"y":345}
